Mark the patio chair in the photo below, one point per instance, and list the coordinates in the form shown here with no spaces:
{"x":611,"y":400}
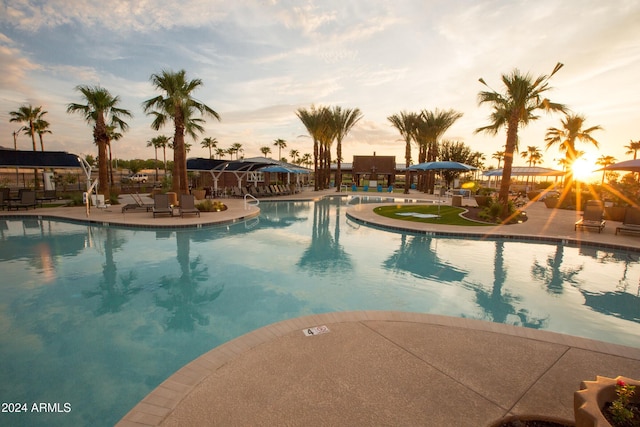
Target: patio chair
{"x":139,"y":204}
{"x":631,"y":222}
{"x":592,"y":217}
{"x":161,"y":205}
{"x":4,"y":200}
{"x":187,"y":205}
{"x":27,"y":200}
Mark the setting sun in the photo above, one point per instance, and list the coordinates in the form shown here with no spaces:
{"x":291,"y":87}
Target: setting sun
{"x":583,"y":169}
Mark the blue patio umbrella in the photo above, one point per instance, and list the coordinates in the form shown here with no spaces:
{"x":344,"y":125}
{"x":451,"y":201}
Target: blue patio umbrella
{"x":443,"y":166}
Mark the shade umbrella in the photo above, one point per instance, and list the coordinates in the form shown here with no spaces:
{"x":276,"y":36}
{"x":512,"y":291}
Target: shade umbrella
{"x":442,"y":166}
{"x":627,"y":165}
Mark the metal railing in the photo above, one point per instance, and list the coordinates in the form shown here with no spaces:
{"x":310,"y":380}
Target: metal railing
{"x":246,"y":203}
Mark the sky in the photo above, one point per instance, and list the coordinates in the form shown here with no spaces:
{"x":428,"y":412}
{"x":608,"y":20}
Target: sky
{"x":261,"y":60}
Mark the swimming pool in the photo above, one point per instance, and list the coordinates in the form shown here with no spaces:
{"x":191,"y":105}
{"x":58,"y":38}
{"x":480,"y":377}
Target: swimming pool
{"x":98,"y":316}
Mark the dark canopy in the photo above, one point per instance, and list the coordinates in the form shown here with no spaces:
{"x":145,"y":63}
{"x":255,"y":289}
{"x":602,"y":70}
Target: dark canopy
{"x":38,"y":159}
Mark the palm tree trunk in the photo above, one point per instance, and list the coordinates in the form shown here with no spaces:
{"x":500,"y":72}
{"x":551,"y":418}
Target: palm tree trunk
{"x":505,"y":184}
{"x":407,"y":173}
{"x":338,"y":164}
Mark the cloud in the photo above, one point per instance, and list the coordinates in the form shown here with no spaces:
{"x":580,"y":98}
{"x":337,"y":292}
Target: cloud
{"x":14,"y":67}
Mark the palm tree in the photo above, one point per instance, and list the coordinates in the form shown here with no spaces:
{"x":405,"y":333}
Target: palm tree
{"x":294,"y":154}
{"x":265,"y":150}
{"x":566,"y":136}
{"x":405,"y":123}
{"x":605,"y":161}
{"x":209,"y":143}
{"x":100,"y":110}
{"x":30,"y":115}
{"x":221,"y":152}
{"x":113,"y":136}
{"x":533,"y":156}
{"x":516,"y":107}
{"x":41,"y":127}
{"x":160,"y":141}
{"x":342,"y":121}
{"x":280,"y":143}
{"x":236,"y":148}
{"x":315,"y":121}
{"x":633,"y":148}
{"x":433,"y":125}
{"x":177,"y":104}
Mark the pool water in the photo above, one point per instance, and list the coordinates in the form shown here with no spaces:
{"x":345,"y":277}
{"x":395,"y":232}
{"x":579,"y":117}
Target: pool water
{"x":96,"y":317}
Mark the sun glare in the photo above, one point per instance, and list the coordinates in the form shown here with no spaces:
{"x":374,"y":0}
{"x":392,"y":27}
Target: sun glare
{"x":583,"y":169}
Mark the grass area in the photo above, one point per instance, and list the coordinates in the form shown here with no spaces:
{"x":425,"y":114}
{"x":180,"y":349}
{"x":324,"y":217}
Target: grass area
{"x":448,"y":214}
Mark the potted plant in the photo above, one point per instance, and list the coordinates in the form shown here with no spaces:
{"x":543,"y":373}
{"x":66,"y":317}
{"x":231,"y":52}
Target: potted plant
{"x":551,"y":201}
{"x":607,"y":402}
{"x":199,"y":193}
{"x":483,"y":198}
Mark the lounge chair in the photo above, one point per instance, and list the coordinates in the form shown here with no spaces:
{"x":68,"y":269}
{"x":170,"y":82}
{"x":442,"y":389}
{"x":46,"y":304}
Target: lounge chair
{"x":161,"y":205}
{"x":592,"y":217}
{"x":47,"y":196}
{"x":631,"y":222}
{"x":4,"y":199}
{"x":139,"y":204}
{"x":187,"y":205}
{"x":27,"y":200}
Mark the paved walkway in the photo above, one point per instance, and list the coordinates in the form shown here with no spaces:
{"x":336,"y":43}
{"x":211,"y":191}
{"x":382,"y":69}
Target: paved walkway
{"x":382,"y":368}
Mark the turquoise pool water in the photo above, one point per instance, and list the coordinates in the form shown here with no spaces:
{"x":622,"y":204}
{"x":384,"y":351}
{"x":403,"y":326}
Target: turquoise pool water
{"x":96,"y":317}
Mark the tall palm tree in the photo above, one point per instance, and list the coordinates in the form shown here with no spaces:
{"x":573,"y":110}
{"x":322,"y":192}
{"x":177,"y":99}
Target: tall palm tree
{"x":41,"y":127}
{"x":533,"y":156}
{"x":113,"y":136}
{"x":633,"y":148}
{"x":605,"y":161}
{"x":315,"y":121}
{"x":209,"y":143}
{"x":280,"y":143}
{"x":160,"y":141}
{"x":342,"y":121}
{"x":221,"y":152}
{"x":100,"y":110}
{"x":177,"y":104}
{"x":499,"y":156}
{"x":295,"y":155}
{"x":236,"y":148}
{"x":516,"y":106}
{"x":433,"y":125}
{"x":405,"y":123}
{"x":566,"y":136}
{"x":265,"y":150}
{"x":29,"y":115}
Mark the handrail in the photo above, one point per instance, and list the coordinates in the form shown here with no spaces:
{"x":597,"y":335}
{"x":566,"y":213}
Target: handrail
{"x":247,"y":203}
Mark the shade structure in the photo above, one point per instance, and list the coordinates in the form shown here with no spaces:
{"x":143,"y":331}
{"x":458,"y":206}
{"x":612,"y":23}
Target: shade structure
{"x":282,"y":169}
{"x":627,"y":165}
{"x":526,"y":171}
{"x":442,"y":166}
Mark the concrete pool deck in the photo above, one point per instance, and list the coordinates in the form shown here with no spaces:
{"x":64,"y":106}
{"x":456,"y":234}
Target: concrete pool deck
{"x":382,"y":368}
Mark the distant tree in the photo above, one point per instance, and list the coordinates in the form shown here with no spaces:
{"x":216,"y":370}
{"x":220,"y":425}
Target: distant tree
{"x":342,"y":121}
{"x":633,"y":148}
{"x":100,"y":110}
{"x":209,"y":143}
{"x":41,"y":127}
{"x":179,"y":105}
{"x":236,"y":148}
{"x":566,"y":136}
{"x":221,"y":152}
{"x":294,"y":154}
{"x":605,"y":161}
{"x":516,"y":106}
{"x":405,"y":123}
{"x":113,"y":136}
{"x":31,"y":116}
{"x":280,"y":143}
{"x":455,"y":151}
{"x":265,"y":150}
